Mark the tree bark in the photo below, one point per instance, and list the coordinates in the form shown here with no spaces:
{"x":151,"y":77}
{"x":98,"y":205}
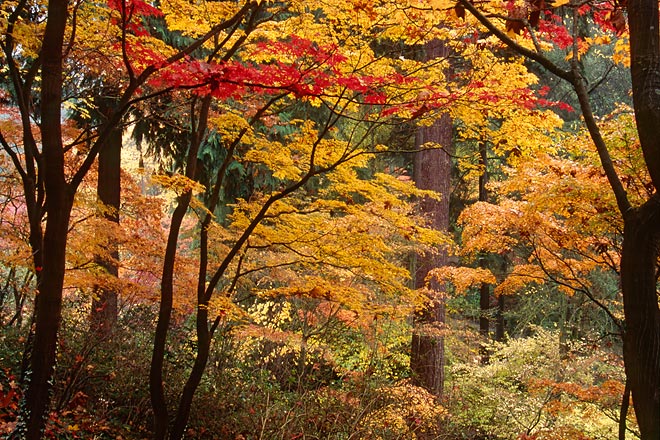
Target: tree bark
{"x":48,"y":302}
{"x":432,"y":170}
{"x":156,"y":381}
{"x":104,"y":305}
{"x":641,"y":348}
{"x":484,"y":289}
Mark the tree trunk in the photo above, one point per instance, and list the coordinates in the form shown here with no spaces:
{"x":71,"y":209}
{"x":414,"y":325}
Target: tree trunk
{"x":432,"y":170}
{"x":156,"y":380}
{"x":104,"y":305}
{"x":204,"y":335}
{"x":641,"y":348}
{"x":484,"y":289}
{"x":499,"y":325}
{"x":48,"y":302}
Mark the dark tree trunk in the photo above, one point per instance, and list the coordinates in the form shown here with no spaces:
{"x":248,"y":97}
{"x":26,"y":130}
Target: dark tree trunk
{"x":48,"y":302}
{"x":204,"y":335}
{"x":104,"y":305}
{"x":641,"y":348}
{"x":484,"y":289}
{"x":499,"y":326}
{"x":156,"y":379}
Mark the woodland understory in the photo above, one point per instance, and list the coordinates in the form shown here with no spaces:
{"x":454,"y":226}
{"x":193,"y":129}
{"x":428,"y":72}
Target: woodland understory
{"x":344,"y":219}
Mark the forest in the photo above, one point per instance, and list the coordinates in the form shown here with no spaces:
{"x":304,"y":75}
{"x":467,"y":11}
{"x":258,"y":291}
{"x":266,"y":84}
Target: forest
{"x":341,"y":219}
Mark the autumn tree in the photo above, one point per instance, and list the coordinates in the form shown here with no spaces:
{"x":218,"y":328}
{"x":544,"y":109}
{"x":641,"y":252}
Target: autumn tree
{"x":639,"y":254}
{"x":38,"y":154}
{"x":354,"y":96}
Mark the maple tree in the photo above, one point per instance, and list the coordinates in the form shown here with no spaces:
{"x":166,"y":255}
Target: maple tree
{"x":554,"y":222}
{"x":30,"y":49}
{"x":638,"y":254}
{"x":301,"y":72}
{"x":358,"y":81}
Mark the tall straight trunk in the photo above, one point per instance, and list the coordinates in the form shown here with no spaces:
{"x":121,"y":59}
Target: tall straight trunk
{"x":484,"y":289}
{"x":432,"y":170}
{"x":48,"y":302}
{"x":104,"y":305}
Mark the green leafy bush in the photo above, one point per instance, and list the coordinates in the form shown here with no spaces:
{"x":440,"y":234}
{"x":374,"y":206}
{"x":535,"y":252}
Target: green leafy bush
{"x":537,"y":388}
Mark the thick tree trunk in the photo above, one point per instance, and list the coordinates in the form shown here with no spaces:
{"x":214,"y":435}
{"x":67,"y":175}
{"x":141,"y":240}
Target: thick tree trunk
{"x":49,"y":298}
{"x":104,"y":305}
{"x":432,"y":170}
{"x":641,"y":347}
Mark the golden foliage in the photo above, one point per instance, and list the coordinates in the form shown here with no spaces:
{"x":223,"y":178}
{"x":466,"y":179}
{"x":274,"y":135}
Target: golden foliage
{"x":463,"y":278}
{"x":555,"y":219}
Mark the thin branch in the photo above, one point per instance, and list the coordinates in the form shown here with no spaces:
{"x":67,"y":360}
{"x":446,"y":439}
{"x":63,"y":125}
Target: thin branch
{"x":502,"y":36}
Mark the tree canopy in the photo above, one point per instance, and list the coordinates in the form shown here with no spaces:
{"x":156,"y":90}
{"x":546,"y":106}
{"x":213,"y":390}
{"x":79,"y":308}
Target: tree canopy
{"x":218,"y":206}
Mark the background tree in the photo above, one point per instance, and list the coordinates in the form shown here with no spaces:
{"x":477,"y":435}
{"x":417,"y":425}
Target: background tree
{"x":432,"y":171}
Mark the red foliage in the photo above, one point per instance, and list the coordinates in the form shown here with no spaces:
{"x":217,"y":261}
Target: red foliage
{"x":135,"y":7}
{"x":131,"y":12}
{"x":554,"y":31}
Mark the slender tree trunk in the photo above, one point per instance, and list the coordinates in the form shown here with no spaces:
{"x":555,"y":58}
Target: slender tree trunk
{"x":623,"y":413}
{"x":104,"y":305}
{"x":204,"y":333}
{"x":204,"y":336}
{"x":432,"y":170}
{"x":499,"y":326}
{"x":156,"y":380}
{"x":48,"y":302}
{"x":484,"y":289}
